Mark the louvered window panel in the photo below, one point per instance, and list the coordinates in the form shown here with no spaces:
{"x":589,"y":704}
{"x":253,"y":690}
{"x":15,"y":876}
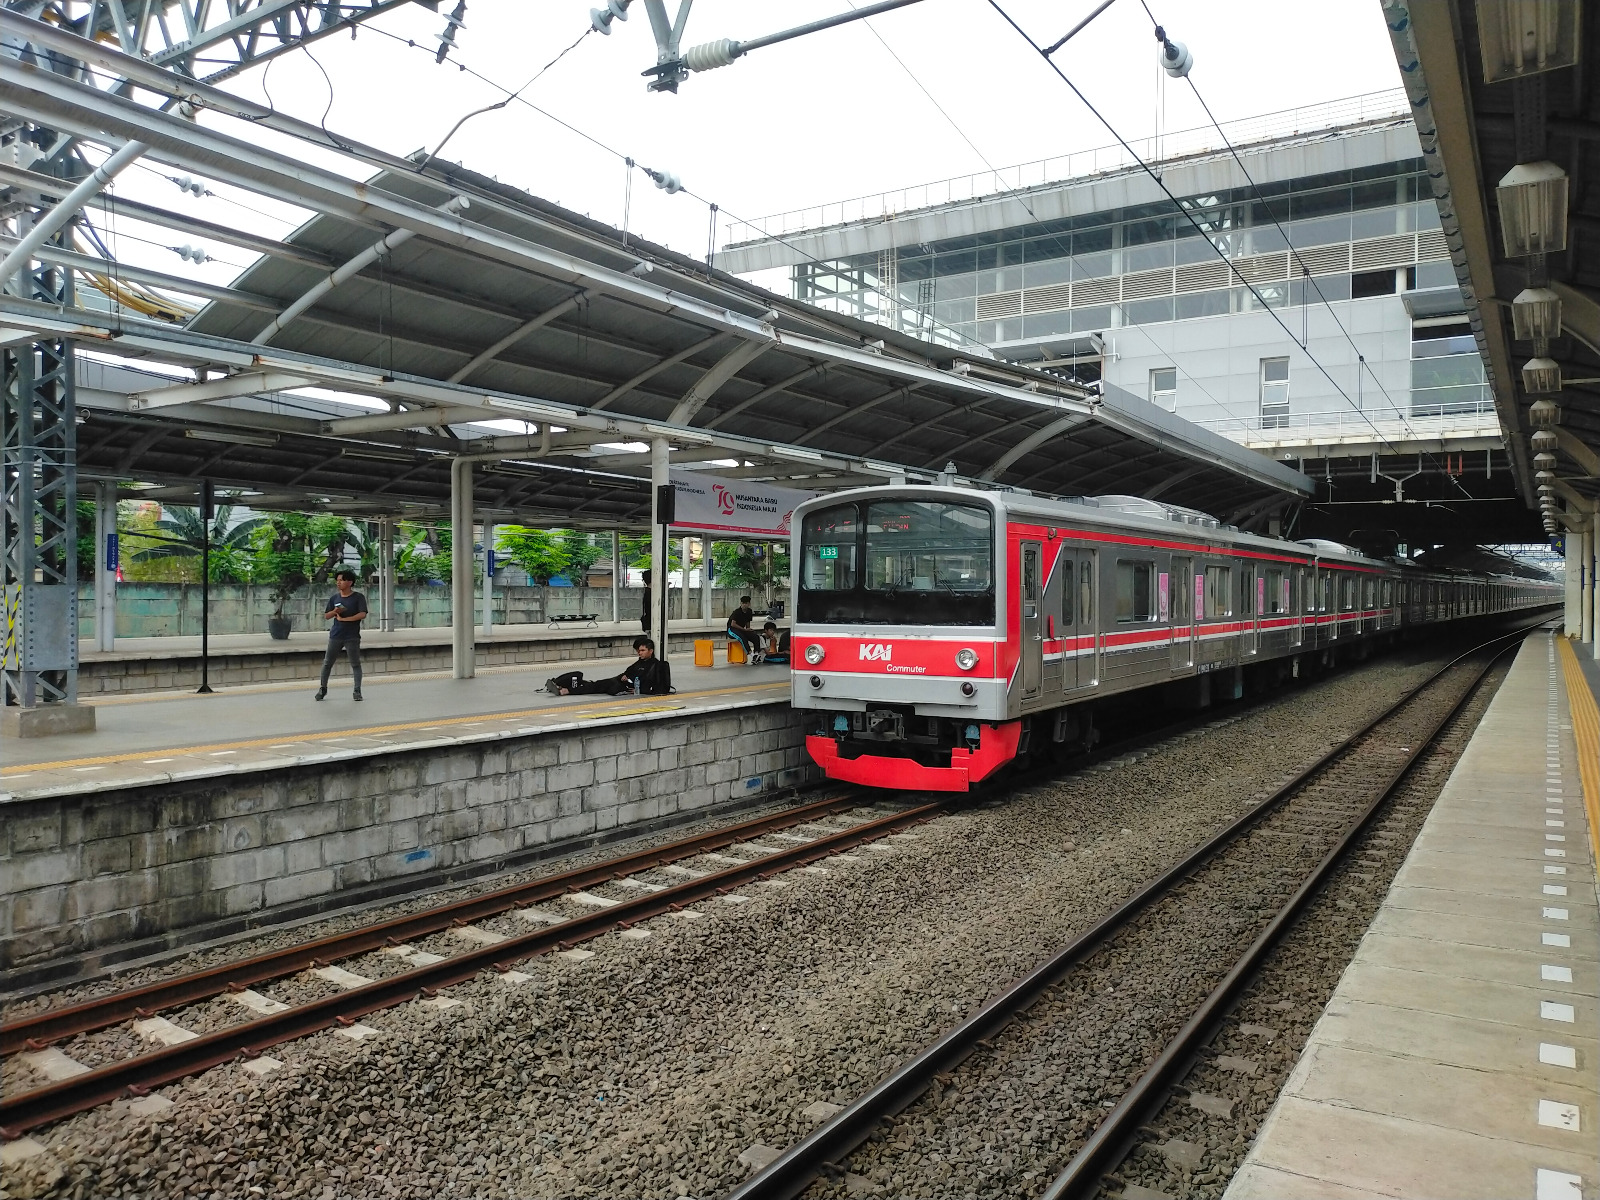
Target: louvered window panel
{"x":1000,"y":304}
{"x":1047,"y":299}
{"x":1376,"y":253}
{"x":1095,"y":291}
{"x":1263,"y":268}
{"x":1146,"y":284}
{"x":1431,"y":245}
{"x":1324,"y":260}
{"x":1203,"y":276}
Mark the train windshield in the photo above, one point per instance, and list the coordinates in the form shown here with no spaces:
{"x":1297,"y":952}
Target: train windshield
{"x":898,"y":562}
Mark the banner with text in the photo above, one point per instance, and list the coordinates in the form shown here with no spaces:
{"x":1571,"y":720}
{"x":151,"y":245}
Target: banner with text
{"x":734,"y":505}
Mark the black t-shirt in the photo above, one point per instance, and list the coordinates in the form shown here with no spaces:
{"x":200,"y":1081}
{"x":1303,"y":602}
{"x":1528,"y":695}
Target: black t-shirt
{"x":354,"y":603}
{"x":742,"y":617}
{"x":650,"y":676}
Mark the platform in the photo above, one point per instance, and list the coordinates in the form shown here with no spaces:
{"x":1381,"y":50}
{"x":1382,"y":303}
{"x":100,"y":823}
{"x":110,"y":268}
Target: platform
{"x":187,"y":815}
{"x":149,"y":664}
{"x":170,"y":737}
{"x":1458,"y":1055}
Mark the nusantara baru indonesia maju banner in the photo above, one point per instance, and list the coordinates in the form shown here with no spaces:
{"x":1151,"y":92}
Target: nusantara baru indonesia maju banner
{"x":734,"y":505}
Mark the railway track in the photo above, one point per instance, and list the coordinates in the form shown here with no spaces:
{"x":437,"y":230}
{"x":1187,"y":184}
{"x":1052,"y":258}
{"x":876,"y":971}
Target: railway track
{"x":727,"y":858}
{"x":255,"y":1021}
{"x":1268,"y":864}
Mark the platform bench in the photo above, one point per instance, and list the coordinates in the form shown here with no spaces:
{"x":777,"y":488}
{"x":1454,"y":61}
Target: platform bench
{"x":576,"y":618}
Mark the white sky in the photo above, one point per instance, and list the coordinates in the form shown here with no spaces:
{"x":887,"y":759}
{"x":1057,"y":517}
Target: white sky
{"x":818,"y":119}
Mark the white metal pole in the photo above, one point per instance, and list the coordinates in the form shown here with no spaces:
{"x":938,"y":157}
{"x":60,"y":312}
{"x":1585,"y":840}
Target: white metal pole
{"x":463,"y":653}
{"x":660,"y":477}
{"x":488,"y":579}
{"x":1586,"y":603}
{"x":386,"y":574}
{"x":616,"y":574}
{"x":1572,"y":621}
{"x":105,"y":574}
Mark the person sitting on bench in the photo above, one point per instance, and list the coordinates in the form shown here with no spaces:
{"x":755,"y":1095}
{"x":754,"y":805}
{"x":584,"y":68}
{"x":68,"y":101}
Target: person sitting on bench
{"x":774,"y":645}
{"x":647,"y":675}
{"x":740,"y":621}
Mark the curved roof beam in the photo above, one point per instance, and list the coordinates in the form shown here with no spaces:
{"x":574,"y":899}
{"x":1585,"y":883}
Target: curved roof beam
{"x":650,"y":372}
{"x":1029,"y":444}
{"x":810,"y":372}
{"x":520,"y":332}
{"x":711,"y":382}
{"x":347,"y":271}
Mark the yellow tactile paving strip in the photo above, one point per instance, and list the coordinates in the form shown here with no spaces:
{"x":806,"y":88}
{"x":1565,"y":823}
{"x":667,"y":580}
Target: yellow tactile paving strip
{"x":1586,"y":732}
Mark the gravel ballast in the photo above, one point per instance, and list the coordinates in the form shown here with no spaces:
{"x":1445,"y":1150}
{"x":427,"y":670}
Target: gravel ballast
{"x":651,"y":1067}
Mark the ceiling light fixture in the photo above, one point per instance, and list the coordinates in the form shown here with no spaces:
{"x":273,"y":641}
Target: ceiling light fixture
{"x":1524,"y":37}
{"x":1541,"y":375}
{"x":1533,"y":209}
{"x":1536,"y":315}
{"x":230,"y":437}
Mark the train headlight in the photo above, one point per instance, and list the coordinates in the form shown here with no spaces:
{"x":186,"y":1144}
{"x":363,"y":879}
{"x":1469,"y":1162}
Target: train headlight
{"x":966,"y":659}
{"x":815,"y":654}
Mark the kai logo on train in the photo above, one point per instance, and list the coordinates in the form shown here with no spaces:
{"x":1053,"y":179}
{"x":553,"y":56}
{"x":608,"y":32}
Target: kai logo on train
{"x":877,"y":652}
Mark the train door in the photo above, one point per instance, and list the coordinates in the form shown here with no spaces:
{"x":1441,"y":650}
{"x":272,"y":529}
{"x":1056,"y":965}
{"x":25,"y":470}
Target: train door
{"x":1031,"y":597}
{"x":1088,"y":620}
{"x":1183,"y":612}
{"x":1072,"y":625}
{"x":1297,"y":606}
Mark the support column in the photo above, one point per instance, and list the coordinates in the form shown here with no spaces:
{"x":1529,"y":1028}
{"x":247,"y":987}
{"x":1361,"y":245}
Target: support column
{"x":386,"y":574}
{"x":463,"y":653}
{"x":488,"y":577}
{"x":616,"y":574}
{"x":683,"y":558}
{"x":1572,"y":621}
{"x":1586,"y":575}
{"x":659,"y":591}
{"x":105,"y":565}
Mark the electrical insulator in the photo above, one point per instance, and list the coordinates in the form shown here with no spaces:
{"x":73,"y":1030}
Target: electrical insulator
{"x":190,"y":184}
{"x":600,"y":18}
{"x":710,"y":55}
{"x":1174,"y":57}
{"x":194,"y":254}
{"x":666,"y":181}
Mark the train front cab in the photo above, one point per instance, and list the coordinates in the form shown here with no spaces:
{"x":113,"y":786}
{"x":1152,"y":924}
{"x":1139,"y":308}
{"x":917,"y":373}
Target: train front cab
{"x":919,"y":705}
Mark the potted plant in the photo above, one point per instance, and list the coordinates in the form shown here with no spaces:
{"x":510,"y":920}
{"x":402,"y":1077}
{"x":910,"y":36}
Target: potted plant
{"x":282,"y":551}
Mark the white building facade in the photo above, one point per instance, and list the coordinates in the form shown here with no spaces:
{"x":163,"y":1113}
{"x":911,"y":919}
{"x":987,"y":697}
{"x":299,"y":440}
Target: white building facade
{"x":1309,"y":310}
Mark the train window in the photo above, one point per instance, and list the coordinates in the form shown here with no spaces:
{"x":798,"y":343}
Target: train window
{"x":829,"y":557}
{"x":1327,"y":593}
{"x":1277,"y":593}
{"x":909,"y":562}
{"x":1136,"y":590}
{"x":1370,"y":594}
{"x":1066,"y":590}
{"x":1219,"y":581}
{"x":1086,"y":593}
{"x":1388,"y":593}
{"x":1347,"y":594}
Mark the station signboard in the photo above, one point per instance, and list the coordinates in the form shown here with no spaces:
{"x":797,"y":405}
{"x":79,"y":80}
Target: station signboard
{"x":734,"y":506}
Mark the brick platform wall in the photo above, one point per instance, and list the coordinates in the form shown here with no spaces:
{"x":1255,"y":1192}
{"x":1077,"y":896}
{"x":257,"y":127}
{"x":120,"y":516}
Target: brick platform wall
{"x":106,"y":869}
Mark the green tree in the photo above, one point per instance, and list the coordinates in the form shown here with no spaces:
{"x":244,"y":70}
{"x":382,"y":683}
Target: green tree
{"x":180,"y":535}
{"x":539,"y":552}
{"x":414,"y":562}
{"x":748,"y":564}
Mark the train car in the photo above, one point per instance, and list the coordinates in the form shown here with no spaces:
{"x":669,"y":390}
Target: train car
{"x":939,"y":631}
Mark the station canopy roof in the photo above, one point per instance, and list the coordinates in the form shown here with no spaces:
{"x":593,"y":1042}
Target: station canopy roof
{"x":487,"y":304}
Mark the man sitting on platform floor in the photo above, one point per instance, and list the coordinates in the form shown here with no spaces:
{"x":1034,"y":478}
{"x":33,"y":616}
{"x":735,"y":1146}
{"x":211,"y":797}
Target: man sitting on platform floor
{"x":645,"y":676}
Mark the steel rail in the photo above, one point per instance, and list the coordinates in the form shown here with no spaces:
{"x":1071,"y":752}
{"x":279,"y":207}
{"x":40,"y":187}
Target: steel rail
{"x":30,"y":1109}
{"x":819,"y":1152}
{"x":34,"y":1032}
{"x":1114,"y":1136}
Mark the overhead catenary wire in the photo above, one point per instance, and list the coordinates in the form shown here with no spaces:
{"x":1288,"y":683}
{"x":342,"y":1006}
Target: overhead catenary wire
{"x":1307,"y":278}
{"x":1021,"y":195}
{"x":1189,"y":216}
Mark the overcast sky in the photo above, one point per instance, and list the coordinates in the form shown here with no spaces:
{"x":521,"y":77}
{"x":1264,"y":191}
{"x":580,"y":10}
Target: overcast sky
{"x":819,"y":119}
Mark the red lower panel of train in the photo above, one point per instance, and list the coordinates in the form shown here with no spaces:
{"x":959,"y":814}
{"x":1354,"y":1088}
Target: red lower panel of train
{"x":997,"y":745}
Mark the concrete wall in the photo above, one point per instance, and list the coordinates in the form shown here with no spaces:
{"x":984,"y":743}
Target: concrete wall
{"x":173,"y":609}
{"x":99,"y":870}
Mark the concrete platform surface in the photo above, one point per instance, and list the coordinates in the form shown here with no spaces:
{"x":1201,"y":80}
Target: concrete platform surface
{"x":165,"y":737}
{"x":1460,"y":1054}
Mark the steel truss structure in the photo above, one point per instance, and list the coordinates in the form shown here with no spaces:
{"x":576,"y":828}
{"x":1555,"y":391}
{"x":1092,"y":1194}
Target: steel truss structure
{"x":455,"y":300}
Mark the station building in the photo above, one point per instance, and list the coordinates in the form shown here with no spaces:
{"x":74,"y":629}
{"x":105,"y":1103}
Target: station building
{"x":1337,"y":340}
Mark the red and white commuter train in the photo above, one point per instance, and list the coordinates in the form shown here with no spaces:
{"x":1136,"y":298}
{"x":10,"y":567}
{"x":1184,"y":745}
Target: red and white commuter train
{"x":939,"y":630}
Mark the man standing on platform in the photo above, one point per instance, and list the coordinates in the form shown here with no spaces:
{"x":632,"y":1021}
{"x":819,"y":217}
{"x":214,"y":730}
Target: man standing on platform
{"x":346,"y":608}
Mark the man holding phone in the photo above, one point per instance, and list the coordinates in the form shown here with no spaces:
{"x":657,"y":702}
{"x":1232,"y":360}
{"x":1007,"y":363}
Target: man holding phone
{"x":346,"y":608}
